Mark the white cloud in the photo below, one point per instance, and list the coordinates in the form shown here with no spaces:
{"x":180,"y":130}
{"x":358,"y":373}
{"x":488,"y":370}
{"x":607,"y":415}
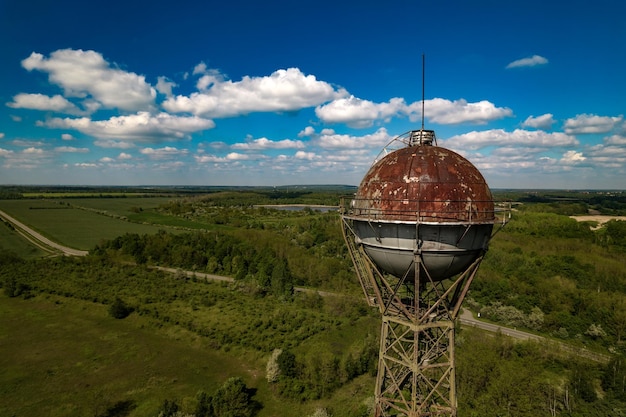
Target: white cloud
{"x":107,"y":160}
{"x":33,"y":157}
{"x":358,"y":113}
{"x":308,"y":131}
{"x":331,"y":140}
{"x":142,"y":127}
{"x":209,"y":79}
{"x":124,"y":156}
{"x":27,"y":143}
{"x":209,"y":158}
{"x":234,"y":156}
{"x":42,"y":102}
{"x":1,"y":135}
{"x":264,"y":143}
{"x":528,"y":62}
{"x":540,"y":122}
{"x":446,"y":112}
{"x":201,"y":68}
{"x":572,"y":157}
{"x":283,"y":90}
{"x":164,"y":86}
{"x":615,"y":140}
{"x":499,"y":137}
{"x":590,"y":123}
{"x":607,"y":150}
{"x":33,"y":151}
{"x":109,"y":143}
{"x":167,"y":152}
{"x":71,"y":149}
{"x":306,"y":155}
{"x":170,"y":166}
{"x":67,"y":136}
{"x":86,"y":74}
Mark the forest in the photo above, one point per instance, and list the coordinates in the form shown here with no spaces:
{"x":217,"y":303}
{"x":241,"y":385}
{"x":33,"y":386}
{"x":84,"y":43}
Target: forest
{"x":545,"y":272}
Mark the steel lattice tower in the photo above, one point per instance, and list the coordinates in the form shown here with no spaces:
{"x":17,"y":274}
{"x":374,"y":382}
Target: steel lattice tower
{"x":417,"y":230}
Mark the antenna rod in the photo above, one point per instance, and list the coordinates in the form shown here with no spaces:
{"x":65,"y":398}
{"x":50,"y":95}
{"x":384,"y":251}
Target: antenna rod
{"x":423,"y":70}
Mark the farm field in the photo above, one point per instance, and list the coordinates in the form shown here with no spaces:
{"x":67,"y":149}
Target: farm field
{"x":119,"y":206}
{"x":74,"y":227}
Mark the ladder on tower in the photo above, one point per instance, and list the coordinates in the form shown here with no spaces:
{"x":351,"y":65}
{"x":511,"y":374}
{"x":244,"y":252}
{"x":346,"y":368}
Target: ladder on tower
{"x":364,"y":270}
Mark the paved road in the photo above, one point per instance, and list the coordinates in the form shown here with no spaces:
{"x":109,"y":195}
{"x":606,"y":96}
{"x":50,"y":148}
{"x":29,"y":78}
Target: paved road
{"x":230,"y":279}
{"x":38,"y":239}
{"x":466,"y":318}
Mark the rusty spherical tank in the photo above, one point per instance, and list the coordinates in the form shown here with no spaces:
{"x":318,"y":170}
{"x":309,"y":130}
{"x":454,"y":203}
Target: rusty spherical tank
{"x":423,"y":199}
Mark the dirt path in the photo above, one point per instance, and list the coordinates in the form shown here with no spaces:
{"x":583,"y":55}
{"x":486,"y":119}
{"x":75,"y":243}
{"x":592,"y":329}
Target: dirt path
{"x":599,"y":218}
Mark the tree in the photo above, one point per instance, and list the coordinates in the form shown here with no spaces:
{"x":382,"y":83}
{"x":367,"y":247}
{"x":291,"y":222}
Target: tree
{"x":168,"y":409}
{"x":282,"y":282}
{"x":232,"y":399}
{"x":13,"y":288}
{"x":595,"y":331}
{"x":204,"y":408}
{"x":287,"y":364}
{"x":119,"y":309}
{"x":581,"y":382}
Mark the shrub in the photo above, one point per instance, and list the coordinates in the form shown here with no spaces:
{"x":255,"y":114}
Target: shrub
{"x":119,"y":309}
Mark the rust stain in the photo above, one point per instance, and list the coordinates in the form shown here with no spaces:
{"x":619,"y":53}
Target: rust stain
{"x":424,"y":183}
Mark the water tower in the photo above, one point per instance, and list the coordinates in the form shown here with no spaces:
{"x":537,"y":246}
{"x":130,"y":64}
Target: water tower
{"x":417,"y":230}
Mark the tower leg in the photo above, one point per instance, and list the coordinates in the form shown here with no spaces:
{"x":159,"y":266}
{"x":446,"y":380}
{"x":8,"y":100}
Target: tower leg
{"x":416,"y":374}
{"x":416,"y":366}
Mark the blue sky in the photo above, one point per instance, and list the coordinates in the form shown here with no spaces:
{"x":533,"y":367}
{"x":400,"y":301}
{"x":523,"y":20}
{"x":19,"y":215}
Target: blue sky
{"x":282,"y":92}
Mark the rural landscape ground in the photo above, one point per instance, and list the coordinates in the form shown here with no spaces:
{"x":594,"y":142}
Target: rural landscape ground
{"x":215,"y":282}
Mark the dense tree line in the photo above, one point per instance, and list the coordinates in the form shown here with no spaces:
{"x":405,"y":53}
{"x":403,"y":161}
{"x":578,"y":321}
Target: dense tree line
{"x":309,"y":252}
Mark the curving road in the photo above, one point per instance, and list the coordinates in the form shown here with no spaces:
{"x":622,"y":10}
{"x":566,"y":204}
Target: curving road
{"x":466,"y":318}
{"x":38,"y":239}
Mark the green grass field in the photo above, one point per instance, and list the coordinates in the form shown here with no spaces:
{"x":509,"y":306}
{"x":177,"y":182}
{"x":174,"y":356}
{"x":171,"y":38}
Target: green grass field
{"x":119,"y":206}
{"x":64,"y":357}
{"x":73,"y":227}
{"x":81,"y":194}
